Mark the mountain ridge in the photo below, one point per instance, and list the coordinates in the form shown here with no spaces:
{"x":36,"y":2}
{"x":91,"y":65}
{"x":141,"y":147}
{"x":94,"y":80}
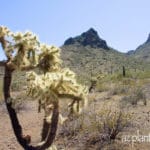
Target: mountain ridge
{"x":88,"y":38}
{"x":88,"y":60}
{"x":142,"y":52}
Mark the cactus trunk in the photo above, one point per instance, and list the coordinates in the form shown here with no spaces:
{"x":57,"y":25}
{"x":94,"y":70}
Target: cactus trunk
{"x":49,"y":130}
{"x":11,"y":111}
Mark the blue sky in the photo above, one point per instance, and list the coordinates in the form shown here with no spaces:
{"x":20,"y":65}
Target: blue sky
{"x":124,"y":24}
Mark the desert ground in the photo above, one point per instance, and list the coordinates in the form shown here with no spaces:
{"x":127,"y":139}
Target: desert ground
{"x":87,"y":131}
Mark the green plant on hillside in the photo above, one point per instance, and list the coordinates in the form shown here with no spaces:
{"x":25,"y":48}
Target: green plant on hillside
{"x":52,"y":84}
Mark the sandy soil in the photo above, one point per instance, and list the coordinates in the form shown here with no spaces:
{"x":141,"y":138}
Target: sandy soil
{"x":31,"y":122}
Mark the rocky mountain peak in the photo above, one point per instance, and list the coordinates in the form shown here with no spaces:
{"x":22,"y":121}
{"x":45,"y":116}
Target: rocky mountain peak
{"x":88,"y":38}
{"x":90,"y":32}
{"x":148,"y":39}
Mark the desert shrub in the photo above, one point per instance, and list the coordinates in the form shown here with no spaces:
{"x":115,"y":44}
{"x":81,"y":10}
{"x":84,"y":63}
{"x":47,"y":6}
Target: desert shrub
{"x":136,"y":95}
{"x":72,"y":127}
{"x":119,"y":90}
{"x":96,"y":127}
{"x":104,"y":125}
{"x":121,"y":83}
{"x":108,"y":121}
{"x":118,"y":76}
{"x":113,"y":122}
{"x":142,"y":74}
{"x":145,"y":74}
{"x":128,"y":81}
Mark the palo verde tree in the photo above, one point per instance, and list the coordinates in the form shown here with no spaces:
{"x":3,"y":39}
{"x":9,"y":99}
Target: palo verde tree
{"x":52,"y":84}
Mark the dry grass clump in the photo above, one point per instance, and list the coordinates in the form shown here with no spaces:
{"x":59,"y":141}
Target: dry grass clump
{"x":105,"y":125}
{"x":122,"y":87}
{"x":110,"y":121}
{"x":119,"y":90}
{"x":135,"y":96}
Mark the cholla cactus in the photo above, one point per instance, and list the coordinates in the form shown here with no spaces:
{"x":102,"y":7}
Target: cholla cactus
{"x":55,"y":83}
{"x":21,"y":50}
{"x":25,"y":52}
{"x":4,"y":31}
{"x":49,"y":58}
{"x":26,"y":46}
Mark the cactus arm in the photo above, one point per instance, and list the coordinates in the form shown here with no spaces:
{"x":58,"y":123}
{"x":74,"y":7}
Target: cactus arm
{"x":50,"y":128}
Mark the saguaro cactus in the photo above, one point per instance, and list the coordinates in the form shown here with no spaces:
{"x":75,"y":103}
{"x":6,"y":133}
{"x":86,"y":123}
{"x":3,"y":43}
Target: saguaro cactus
{"x":25,"y":52}
{"x":123,"y":71}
